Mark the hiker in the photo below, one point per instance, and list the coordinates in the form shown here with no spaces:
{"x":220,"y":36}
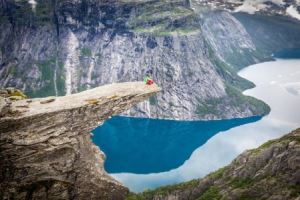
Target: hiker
{"x":148,"y":77}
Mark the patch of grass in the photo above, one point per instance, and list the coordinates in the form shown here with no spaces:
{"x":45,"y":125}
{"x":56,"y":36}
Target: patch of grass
{"x":178,"y":31}
{"x":246,"y":196}
{"x":263,"y":146}
{"x":47,"y":68}
{"x":217,"y":174}
{"x":133,"y":196}
{"x":155,"y":13}
{"x":13,"y":70}
{"x":149,"y":194}
{"x":212,"y":193}
{"x":85,"y":51}
{"x":164,"y":19}
{"x":44,"y":11}
{"x":161,"y":30}
{"x":291,"y":138}
{"x":241,"y":183}
{"x":294,"y":190}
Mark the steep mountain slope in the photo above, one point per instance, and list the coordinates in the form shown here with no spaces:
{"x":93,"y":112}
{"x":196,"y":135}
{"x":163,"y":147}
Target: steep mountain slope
{"x":271,"y":171}
{"x":271,"y":33}
{"x":60,"y":47}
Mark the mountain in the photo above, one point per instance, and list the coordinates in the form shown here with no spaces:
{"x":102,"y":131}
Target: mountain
{"x":271,"y":171}
{"x":62,"y":47}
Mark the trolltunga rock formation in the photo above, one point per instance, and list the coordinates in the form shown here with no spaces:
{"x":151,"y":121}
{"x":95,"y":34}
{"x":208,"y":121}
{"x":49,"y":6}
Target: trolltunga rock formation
{"x":46,"y":150}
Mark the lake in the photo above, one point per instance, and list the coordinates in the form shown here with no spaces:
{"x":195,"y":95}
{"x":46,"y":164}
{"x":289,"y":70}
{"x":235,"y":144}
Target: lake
{"x":144,"y":153}
{"x":143,"y":146}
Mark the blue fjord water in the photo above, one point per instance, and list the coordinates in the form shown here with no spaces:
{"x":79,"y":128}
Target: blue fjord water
{"x":288,"y":54}
{"x":141,"y":146}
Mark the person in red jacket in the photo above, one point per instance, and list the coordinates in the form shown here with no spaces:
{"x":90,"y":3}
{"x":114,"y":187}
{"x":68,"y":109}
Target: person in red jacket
{"x":148,"y":78}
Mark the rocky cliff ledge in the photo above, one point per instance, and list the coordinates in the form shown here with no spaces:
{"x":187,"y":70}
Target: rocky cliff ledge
{"x":271,"y":172}
{"x":46,"y":150}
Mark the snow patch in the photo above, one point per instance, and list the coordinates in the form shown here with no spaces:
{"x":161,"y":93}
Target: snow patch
{"x":250,"y":6}
{"x":33,"y":4}
{"x":293,"y":12}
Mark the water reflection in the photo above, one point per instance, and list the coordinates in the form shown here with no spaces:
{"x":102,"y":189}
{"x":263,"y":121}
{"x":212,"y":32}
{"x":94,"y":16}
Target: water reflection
{"x":143,"y":146}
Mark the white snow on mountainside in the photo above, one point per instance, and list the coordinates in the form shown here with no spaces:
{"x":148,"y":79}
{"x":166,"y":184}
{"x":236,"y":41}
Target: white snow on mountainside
{"x":289,"y":8}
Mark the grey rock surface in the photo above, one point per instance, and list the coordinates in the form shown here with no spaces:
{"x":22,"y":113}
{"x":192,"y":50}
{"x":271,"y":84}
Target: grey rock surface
{"x":46,"y":149}
{"x":4,"y":106}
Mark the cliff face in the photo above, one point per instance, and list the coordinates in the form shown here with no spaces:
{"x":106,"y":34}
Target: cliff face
{"x":46,"y":149}
{"x":271,"y":171}
{"x":59,"y":47}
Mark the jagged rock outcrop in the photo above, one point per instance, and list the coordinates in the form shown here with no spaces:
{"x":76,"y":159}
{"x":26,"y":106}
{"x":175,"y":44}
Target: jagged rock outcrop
{"x":46,"y":150}
{"x":271,"y":171}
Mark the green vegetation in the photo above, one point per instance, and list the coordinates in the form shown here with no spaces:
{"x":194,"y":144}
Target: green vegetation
{"x":234,"y":87}
{"x":212,"y":193}
{"x":258,"y":107}
{"x":149,"y":194}
{"x":294,"y":190}
{"x":47,"y":69}
{"x":133,"y":196}
{"x":228,"y":72}
{"x":241,"y":183}
{"x":13,"y":70}
{"x":164,"y":19}
{"x":263,"y":146}
{"x":236,"y":99}
{"x":217,"y":174}
{"x":85,"y":51}
{"x":209,"y":107}
{"x":246,"y":196}
{"x":286,"y":139}
{"x":160,"y":30}
{"x":44,"y":12}
{"x":60,"y":79}
{"x":17,"y":93}
{"x":158,"y":14}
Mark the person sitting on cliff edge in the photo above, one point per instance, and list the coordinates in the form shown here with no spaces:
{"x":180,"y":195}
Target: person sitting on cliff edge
{"x":148,"y":77}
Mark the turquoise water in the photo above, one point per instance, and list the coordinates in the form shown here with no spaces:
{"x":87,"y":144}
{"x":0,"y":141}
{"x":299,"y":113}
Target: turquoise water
{"x":288,"y":54}
{"x":141,"y":146}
